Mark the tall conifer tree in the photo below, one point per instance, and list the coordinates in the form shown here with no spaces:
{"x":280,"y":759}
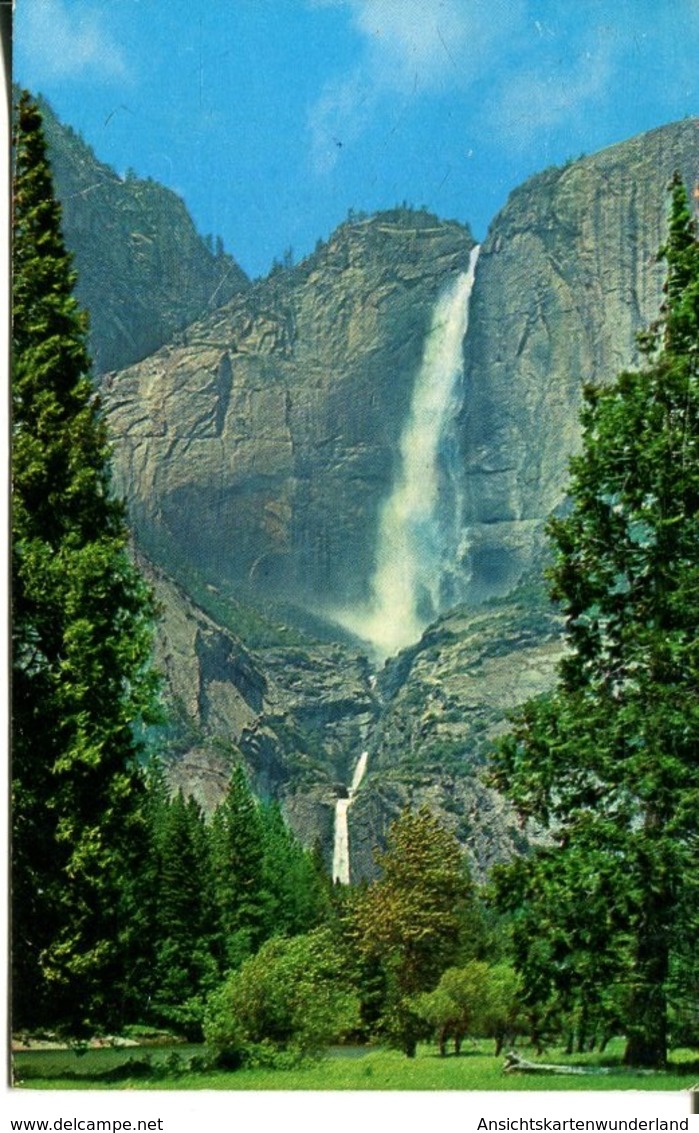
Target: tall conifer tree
{"x":186,"y":921}
{"x":610,"y":761}
{"x":238,"y":853}
{"x":297,"y":889}
{"x":81,"y":635}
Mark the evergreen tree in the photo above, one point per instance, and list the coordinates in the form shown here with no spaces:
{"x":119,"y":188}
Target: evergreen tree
{"x":141,"y":903}
{"x":237,"y":844}
{"x":297,"y":888}
{"x":81,"y":634}
{"x":186,"y":918}
{"x":608,"y":762}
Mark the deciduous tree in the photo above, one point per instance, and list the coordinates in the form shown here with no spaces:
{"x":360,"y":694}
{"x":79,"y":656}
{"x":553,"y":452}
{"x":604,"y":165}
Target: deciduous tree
{"x":413,"y":919}
{"x":293,"y":995}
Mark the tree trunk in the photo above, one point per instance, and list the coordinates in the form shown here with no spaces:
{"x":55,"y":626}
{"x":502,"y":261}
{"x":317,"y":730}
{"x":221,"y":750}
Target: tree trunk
{"x":646,"y":1036}
{"x":646,"y":1030}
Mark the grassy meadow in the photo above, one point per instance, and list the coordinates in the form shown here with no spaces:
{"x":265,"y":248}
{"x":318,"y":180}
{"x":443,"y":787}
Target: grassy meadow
{"x":476,"y":1068}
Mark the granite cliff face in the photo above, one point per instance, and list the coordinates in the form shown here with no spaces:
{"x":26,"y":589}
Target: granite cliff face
{"x":566,"y":278}
{"x":144,"y":273}
{"x":299,"y":716}
{"x":260,"y":449}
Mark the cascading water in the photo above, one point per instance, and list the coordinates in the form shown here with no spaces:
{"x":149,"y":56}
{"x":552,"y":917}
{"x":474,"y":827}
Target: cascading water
{"x":341,"y":866}
{"x":417,"y":544}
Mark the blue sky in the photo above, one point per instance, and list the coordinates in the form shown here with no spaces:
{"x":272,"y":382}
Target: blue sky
{"x":272,"y":118}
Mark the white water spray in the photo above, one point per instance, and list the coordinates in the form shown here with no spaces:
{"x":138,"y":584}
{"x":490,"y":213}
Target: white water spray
{"x":341,"y":866}
{"x":413,"y":555}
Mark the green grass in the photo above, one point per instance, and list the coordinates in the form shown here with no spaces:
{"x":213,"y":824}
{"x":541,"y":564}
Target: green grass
{"x":475,"y":1069}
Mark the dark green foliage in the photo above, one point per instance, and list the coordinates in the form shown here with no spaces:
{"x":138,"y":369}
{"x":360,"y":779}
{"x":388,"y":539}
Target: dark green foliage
{"x":212,"y":892}
{"x":297,"y":887}
{"x":608,"y":762}
{"x":237,"y":849}
{"x":81,"y":639}
{"x":186,"y":920}
{"x":568,"y":939}
{"x":265,"y":883}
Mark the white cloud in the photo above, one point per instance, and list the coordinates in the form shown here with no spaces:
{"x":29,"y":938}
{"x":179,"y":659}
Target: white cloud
{"x":63,"y":40}
{"x":410,"y":48}
{"x":439,"y":43}
{"x":547,"y":97}
{"x":525,"y":74}
{"x":410,"y":41}
{"x":522,"y":72}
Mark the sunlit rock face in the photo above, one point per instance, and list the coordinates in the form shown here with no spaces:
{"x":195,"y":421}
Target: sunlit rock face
{"x":263,"y":448}
{"x":443,"y":702}
{"x":269,"y":447}
{"x":566,"y":278}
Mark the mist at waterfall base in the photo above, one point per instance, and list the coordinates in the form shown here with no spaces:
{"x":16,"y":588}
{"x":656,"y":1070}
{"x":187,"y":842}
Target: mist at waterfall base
{"x":420,"y":544}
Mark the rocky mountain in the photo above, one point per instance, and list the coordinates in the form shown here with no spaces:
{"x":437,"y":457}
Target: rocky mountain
{"x":566,"y":278}
{"x":443,"y":703}
{"x":144,"y":273}
{"x":261,"y":448}
{"x":257,"y":450}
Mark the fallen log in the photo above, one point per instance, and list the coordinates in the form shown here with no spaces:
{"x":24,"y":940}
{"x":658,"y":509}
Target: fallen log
{"x":514,"y":1064}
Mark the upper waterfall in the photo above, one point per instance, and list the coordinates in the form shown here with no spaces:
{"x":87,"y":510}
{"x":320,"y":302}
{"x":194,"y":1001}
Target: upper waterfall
{"x":418,"y":529}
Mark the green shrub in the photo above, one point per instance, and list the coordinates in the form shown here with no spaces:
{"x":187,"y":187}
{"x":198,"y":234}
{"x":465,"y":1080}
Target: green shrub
{"x":289,"y":1000}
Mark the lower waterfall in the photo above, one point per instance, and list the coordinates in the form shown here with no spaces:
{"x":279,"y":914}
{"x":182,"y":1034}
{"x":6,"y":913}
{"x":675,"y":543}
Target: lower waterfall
{"x":341,"y":864}
{"x":417,"y":547}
